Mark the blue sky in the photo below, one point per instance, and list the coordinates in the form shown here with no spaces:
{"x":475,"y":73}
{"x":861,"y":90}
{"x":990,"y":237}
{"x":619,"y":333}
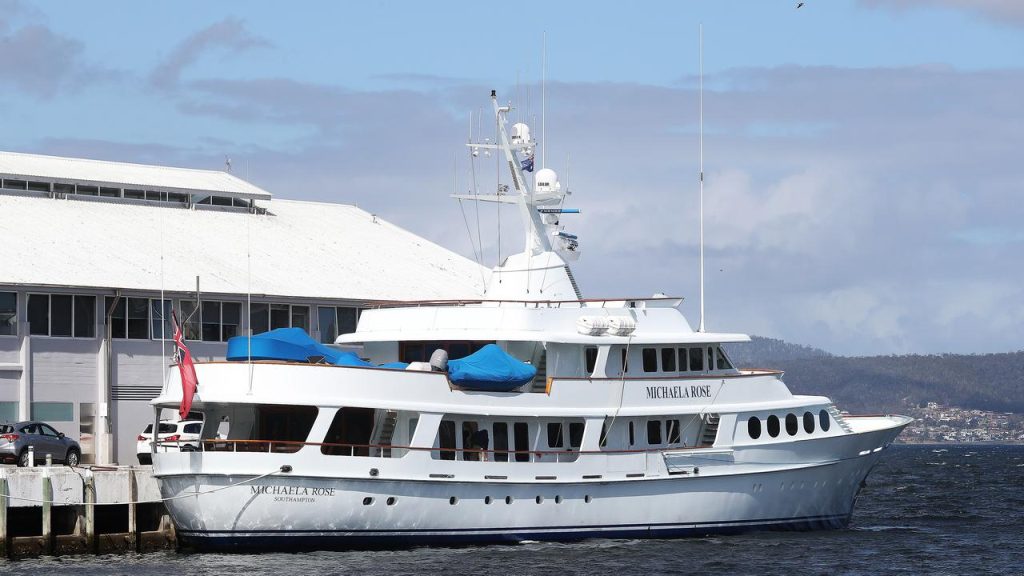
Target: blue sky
{"x":862,"y":156}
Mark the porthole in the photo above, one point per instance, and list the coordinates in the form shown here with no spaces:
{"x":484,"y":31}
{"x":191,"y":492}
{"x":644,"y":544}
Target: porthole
{"x":808,"y":422}
{"x":773,"y":425}
{"x":754,"y":427}
{"x":453,"y":500}
{"x":391,"y":500}
{"x":558,"y":499}
{"x":367,"y":501}
{"x":487,"y":499}
{"x":792,"y":426}
{"x":587,"y":498}
{"x":539,"y":499}
{"x":508,"y":499}
{"x":824,"y":421}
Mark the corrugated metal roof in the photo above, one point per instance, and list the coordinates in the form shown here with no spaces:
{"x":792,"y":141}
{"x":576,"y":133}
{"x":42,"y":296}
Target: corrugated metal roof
{"x":18,"y":166}
{"x":300,"y":249}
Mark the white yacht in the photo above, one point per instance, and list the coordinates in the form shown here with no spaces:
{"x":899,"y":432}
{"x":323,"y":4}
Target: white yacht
{"x":532,"y":414}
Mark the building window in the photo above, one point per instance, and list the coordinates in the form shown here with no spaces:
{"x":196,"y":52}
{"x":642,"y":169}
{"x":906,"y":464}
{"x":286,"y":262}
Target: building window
{"x":650,"y":358}
{"x":335,"y":320}
{"x":161,"y":315}
{"x":63,"y":315}
{"x":8,"y":313}
{"x":9,"y":412}
{"x":53,"y":411}
{"x":129,"y":317}
{"x":264,"y":317}
{"x":215,"y":321}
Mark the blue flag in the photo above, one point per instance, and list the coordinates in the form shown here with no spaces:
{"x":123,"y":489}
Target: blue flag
{"x":527,"y":164}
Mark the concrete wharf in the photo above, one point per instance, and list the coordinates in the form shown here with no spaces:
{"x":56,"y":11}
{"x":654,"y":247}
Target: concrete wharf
{"x":60,"y":510}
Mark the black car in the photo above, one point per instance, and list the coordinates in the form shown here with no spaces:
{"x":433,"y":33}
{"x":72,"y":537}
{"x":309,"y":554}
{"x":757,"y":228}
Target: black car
{"x":15,"y":440}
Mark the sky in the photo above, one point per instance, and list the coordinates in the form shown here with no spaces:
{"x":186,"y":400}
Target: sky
{"x":862,"y":158}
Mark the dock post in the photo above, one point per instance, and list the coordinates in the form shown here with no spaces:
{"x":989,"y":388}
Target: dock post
{"x":4,"y":492}
{"x":133,"y":511}
{"x":89,"y":491}
{"x":47,"y":512}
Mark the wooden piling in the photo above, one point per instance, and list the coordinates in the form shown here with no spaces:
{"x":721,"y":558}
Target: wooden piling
{"x":89,"y":491}
{"x":47,"y":528}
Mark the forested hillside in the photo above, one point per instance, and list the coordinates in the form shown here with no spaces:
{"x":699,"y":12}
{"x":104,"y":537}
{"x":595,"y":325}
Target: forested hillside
{"x":887,"y":383}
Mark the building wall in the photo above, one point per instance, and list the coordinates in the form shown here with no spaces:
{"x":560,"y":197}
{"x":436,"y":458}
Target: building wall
{"x":66,"y":375}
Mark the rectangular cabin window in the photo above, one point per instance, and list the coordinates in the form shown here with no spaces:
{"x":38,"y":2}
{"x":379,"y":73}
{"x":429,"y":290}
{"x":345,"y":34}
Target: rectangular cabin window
{"x":723,"y":362}
{"x":590,"y":359}
{"x":446,"y":439}
{"x":672,"y":431}
{"x":668,"y":359}
{"x":521,"y":431}
{"x":711,"y":358}
{"x":555,"y":439}
{"x":654,"y":432}
{"x":575,"y":434}
{"x":625,"y":361}
{"x":349,"y":433}
{"x":632,"y":437}
{"x":500,"y":442}
{"x":473,"y":439}
{"x":604,"y":434}
{"x":683,"y":364}
{"x":696,"y":359}
{"x":650,"y":357}
{"x":289,"y":425}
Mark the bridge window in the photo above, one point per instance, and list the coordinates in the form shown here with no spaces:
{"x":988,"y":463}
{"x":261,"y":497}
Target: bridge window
{"x":723,"y":362}
{"x":754,"y":427}
{"x":668,"y":359}
{"x":696,"y":359}
{"x":650,"y":357}
{"x":682,"y":360}
{"x":792,"y":427}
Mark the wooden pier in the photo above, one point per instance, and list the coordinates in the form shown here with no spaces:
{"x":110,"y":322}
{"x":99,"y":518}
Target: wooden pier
{"x":59,"y":510}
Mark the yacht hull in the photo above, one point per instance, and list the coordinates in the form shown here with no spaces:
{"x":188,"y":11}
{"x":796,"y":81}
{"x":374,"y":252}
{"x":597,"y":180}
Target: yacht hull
{"x":288,"y":512}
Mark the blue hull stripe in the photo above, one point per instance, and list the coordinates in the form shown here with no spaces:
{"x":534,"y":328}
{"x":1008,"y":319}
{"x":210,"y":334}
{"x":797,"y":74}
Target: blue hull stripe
{"x":228,"y":540}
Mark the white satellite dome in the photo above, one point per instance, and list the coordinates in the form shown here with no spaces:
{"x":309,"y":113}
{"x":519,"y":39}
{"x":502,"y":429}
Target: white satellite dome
{"x":546,"y":180}
{"x":520,"y":133}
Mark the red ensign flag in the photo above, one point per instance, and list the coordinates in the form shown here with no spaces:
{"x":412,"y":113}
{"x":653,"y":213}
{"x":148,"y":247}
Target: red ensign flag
{"x":189,"y":381}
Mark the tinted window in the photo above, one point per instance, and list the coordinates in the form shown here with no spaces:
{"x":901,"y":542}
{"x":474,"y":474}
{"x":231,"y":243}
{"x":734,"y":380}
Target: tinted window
{"x":328,"y":324}
{"x":696,"y":359}
{"x":773,"y":425}
{"x":631,"y":435}
{"x":590,"y":358}
{"x":792,"y":426}
{"x":555,"y":434}
{"x":164,"y":428}
{"x":500,"y":441}
{"x":446,"y":439}
{"x":138,"y":318}
{"x":650,"y":356}
{"x":668,"y":359}
{"x":46,"y":430}
{"x":654,"y":432}
{"x":625,"y":361}
{"x":754,"y":427}
{"x":682,"y":360}
{"x":575,"y":434}
{"x":521,"y":431}
{"x":85,"y":316}
{"x":723,"y":362}
{"x":823,"y":420}
{"x":808,"y":422}
{"x":672,"y":431}
{"x":117,"y":316}
{"x":192,"y":428}
{"x":60,"y":315}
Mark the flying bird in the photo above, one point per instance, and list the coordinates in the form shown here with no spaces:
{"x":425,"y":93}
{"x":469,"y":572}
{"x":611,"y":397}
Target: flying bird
{"x":799,"y":5}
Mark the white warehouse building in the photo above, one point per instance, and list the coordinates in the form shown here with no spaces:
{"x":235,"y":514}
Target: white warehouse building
{"x":94,"y":254}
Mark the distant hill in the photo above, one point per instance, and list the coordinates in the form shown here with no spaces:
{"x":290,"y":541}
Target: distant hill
{"x":870,"y":384}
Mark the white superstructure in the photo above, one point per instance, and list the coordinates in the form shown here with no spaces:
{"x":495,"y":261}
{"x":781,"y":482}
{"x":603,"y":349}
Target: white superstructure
{"x":634,"y":425}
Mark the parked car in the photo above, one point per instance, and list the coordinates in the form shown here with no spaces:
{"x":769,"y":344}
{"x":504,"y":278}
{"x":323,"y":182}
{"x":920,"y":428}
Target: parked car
{"x":174,"y":436}
{"x":15,"y":440}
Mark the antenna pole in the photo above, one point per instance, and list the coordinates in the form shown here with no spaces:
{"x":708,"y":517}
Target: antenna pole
{"x":543,"y":102}
{"x":700,"y":327}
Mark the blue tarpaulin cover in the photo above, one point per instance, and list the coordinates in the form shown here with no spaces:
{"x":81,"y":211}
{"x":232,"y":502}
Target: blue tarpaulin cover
{"x":290,"y":345}
{"x":490,"y":368}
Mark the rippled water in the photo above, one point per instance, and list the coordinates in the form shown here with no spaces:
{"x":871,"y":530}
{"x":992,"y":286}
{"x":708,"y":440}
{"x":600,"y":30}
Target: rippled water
{"x":925,"y":510}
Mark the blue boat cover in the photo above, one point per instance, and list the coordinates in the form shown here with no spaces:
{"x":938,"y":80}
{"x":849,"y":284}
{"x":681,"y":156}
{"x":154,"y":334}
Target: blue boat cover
{"x":290,"y":345}
{"x":490,"y":368}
